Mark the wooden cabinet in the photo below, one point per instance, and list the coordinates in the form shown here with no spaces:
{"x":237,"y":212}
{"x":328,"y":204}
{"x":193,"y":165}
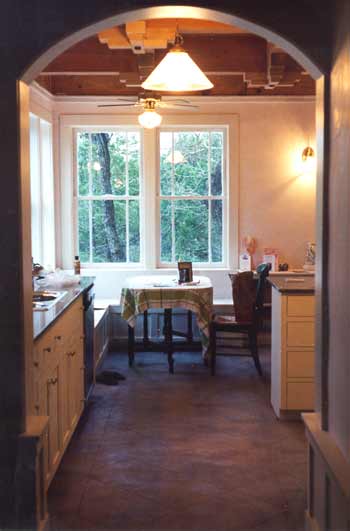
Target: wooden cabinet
{"x":58,"y":382}
{"x":293,"y":352}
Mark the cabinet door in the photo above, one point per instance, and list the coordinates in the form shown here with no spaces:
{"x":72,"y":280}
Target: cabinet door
{"x":50,"y":405}
{"x":77,"y":378}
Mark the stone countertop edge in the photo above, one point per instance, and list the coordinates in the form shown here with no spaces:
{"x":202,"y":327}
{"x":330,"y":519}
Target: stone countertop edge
{"x":305,"y":286}
{"x":43,"y":320}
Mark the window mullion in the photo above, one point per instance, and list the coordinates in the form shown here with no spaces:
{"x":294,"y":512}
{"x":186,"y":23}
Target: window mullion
{"x":127,"y":200}
{"x":209,"y":202}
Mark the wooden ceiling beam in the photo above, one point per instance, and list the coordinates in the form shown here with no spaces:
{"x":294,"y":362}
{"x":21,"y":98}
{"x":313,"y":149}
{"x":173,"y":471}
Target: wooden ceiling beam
{"x":115,"y":39}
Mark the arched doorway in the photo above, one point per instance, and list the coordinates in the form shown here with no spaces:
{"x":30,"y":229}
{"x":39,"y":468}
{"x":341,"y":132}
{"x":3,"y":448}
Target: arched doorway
{"x":149,"y":12}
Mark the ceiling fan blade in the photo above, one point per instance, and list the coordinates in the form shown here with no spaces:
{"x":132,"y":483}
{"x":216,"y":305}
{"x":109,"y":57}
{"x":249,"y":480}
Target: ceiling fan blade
{"x":173,"y":105}
{"x":118,"y":105}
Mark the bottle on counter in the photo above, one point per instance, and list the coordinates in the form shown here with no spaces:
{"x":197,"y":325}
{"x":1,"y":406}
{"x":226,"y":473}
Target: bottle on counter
{"x":76,"y":265}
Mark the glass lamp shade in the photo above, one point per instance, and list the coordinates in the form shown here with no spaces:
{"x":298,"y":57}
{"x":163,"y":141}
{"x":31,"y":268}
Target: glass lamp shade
{"x":177,"y":72}
{"x":150,"y":119}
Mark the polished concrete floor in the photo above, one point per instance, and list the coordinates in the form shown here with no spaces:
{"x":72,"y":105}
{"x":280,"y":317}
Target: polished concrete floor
{"x":182,"y":452}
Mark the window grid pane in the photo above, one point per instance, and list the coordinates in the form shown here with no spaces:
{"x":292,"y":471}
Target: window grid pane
{"x":109,"y":225}
{"x":191,"y":208}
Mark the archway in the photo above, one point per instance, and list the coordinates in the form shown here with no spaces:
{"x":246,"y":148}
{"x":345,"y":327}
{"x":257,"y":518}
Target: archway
{"x":145,"y":13}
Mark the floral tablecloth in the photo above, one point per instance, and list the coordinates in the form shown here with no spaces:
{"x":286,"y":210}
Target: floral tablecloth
{"x":153,"y":292}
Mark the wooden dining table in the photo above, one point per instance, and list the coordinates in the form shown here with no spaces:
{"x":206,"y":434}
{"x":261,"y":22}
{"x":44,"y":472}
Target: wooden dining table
{"x":144,"y":293}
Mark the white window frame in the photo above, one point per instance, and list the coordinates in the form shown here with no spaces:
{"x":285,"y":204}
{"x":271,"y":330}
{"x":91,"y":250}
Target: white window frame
{"x":149,"y":218}
{"x":126,"y":198}
{"x":224,"y":197}
{"x":43,"y":188}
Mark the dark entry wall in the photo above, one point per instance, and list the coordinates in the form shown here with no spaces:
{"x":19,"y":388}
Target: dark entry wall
{"x":27,"y":30}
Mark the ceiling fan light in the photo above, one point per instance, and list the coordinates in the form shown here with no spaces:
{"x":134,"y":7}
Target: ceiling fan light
{"x":149,"y":119}
{"x":177,"y":72}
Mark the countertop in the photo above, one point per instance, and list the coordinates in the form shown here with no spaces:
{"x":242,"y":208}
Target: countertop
{"x":301,"y":284}
{"x":43,"y":320}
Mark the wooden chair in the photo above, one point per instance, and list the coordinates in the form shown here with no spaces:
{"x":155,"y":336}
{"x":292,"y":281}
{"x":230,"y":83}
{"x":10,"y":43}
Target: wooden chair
{"x":248,"y":308}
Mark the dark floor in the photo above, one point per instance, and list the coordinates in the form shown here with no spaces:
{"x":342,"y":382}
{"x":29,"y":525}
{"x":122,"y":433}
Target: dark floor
{"x":182,"y":452}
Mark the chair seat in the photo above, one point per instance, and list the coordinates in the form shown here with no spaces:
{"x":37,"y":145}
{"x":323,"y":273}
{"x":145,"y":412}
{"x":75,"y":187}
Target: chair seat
{"x":229,"y":320}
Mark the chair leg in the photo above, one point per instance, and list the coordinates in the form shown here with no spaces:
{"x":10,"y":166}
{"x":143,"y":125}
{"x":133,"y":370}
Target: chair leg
{"x":212,"y":350}
{"x":253,"y":343}
{"x":131,"y":345}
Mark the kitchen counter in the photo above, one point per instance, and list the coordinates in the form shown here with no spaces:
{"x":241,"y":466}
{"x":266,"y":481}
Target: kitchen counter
{"x":305,"y":284}
{"x":42,"y":320}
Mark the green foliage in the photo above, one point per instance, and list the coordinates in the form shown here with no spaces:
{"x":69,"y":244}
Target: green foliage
{"x":184,"y":220}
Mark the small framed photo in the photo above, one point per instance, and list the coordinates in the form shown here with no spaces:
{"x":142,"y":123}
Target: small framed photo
{"x":185,"y":272}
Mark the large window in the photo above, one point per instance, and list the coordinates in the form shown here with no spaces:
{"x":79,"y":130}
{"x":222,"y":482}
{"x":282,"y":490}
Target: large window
{"x":42,"y":191}
{"x":192,"y":193}
{"x":145,"y":199}
{"x":108,"y":196}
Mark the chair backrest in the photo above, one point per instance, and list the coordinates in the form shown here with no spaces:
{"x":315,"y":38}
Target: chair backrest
{"x":263,"y":272}
{"x":243,"y":295}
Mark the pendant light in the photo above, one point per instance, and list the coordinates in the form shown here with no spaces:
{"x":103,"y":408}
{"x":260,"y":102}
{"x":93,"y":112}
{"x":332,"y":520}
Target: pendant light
{"x":177,"y":72}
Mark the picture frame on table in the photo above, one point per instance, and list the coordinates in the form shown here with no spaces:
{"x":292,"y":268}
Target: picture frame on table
{"x":185,"y":272}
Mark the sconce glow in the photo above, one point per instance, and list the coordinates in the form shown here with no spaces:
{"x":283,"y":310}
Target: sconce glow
{"x":177,"y":72}
{"x":309,"y":161}
{"x":149,"y":119}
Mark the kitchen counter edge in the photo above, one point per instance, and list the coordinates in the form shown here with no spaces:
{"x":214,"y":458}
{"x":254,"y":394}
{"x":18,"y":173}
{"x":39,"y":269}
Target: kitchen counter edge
{"x":43,"y":320}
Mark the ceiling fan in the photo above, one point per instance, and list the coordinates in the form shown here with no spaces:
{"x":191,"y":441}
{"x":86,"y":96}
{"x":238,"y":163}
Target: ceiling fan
{"x":150,"y":118}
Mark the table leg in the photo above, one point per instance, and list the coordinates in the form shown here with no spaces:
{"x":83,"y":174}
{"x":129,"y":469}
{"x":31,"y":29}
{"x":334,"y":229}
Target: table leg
{"x":131,"y":345}
{"x":168,"y":333}
{"x":189,"y":327}
{"x":145,"y":329}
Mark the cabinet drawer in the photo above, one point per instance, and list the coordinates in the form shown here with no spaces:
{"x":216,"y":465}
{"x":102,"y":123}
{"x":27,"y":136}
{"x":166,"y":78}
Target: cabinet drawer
{"x":300,"y":396}
{"x":300,"y":363}
{"x":300,"y":334}
{"x":301,"y":306}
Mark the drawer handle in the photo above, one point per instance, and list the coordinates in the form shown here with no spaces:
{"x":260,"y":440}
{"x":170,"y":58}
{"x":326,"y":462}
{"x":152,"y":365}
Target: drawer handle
{"x":58,"y":338}
{"x":37,"y":407}
{"x":52,"y":381}
{"x":71,"y":354}
{"x":47,"y":349}
{"x":36,"y":364}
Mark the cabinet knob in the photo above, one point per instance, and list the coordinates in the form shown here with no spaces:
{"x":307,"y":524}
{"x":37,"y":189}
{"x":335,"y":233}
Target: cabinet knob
{"x":71,"y":354}
{"x":58,"y":338}
{"x":52,"y":381}
{"x":36,"y":364}
{"x":36,"y":407}
{"x":47,"y":349}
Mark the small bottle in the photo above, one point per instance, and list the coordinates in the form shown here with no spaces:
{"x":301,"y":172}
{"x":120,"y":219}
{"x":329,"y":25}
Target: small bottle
{"x":76,"y":265}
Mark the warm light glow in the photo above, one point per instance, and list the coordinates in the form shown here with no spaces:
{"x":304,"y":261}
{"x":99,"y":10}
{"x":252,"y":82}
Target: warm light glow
{"x":176,"y":157}
{"x":177,"y":72}
{"x":150,"y":119}
{"x":308,"y":162}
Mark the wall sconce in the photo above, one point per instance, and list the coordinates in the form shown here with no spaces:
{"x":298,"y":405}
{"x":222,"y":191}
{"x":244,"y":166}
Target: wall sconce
{"x":308,"y":161}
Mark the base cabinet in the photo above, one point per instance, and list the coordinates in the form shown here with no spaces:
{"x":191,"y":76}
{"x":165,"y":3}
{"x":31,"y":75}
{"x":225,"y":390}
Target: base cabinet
{"x":293,"y":352}
{"x":58,"y":382}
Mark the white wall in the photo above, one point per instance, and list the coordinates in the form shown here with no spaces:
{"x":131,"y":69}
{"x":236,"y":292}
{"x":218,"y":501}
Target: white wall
{"x":276,"y":205}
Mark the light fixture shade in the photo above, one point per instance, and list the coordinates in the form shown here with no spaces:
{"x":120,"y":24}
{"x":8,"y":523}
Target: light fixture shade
{"x":177,"y":72}
{"x":150,"y":119}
